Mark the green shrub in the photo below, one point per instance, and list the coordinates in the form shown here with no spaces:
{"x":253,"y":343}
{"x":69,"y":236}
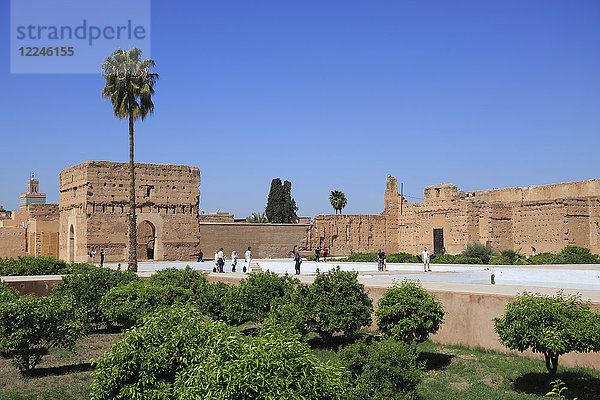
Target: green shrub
{"x":251,"y":299}
{"x":271,"y":366}
{"x":544,"y":258}
{"x":479,"y":250}
{"x":311,"y":258}
{"x":87,"y":289}
{"x":130,"y":304}
{"x":212,"y":299}
{"x":362,"y":257}
{"x":31,"y":325}
{"x":338,"y":303}
{"x":146,"y":363}
{"x":454,"y":259}
{"x":294,"y":312}
{"x":577,"y":255}
{"x":406,"y":312}
{"x":180,"y":354}
{"x":186,"y":278}
{"x":402,"y":258}
{"x":209,"y":298}
{"x":509,"y":257}
{"x":29,"y":265}
{"x":548,"y":325}
{"x":7,"y":293}
{"x":382,"y":370}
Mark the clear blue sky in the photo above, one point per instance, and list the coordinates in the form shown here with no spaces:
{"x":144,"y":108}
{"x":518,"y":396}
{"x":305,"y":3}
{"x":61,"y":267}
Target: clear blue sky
{"x":332,"y":95}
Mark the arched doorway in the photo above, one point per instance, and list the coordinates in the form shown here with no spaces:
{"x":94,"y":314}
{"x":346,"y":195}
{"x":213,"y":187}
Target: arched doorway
{"x":146,"y":239}
{"x":72,"y":244}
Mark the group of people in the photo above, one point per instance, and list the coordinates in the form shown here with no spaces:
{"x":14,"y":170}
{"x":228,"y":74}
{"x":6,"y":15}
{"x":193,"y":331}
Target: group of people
{"x":381,"y":260}
{"x":318,"y":254}
{"x":93,"y":256}
{"x":220,"y":260}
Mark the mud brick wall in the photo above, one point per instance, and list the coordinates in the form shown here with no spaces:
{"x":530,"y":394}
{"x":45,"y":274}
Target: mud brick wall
{"x":266,"y":240}
{"x":547,"y":217}
{"x":13,"y":242}
{"x":94,"y":206}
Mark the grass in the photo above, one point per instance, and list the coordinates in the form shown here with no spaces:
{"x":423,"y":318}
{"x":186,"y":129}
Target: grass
{"x":451,"y":373}
{"x":458,"y":373}
{"x":61,"y":374}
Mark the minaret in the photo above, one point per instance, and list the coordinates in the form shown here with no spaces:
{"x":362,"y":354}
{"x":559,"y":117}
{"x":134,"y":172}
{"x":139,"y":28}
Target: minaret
{"x":33,"y":195}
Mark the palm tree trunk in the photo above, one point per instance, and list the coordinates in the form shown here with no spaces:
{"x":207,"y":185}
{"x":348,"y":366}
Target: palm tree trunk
{"x":132,"y":223}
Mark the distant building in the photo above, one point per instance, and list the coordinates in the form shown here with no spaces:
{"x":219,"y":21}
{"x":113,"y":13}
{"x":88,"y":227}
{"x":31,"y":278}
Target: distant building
{"x":33,"y":195}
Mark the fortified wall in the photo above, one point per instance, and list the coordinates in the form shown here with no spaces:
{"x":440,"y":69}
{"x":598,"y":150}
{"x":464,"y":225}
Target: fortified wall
{"x":94,"y":206}
{"x":547,"y":217}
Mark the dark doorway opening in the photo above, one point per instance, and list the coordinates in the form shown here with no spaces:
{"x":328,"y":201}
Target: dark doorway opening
{"x":146,"y":236}
{"x":438,"y":241}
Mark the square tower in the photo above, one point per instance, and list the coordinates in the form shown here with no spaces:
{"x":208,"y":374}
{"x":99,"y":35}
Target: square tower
{"x":94,"y":209}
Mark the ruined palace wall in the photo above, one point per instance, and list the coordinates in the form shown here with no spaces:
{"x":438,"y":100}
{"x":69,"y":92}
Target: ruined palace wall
{"x":341,"y":233}
{"x":419,"y":219}
{"x":579,"y":189}
{"x":266,"y":240}
{"x":43,"y":228}
{"x":546,"y":217}
{"x":13,"y":242}
{"x":94,"y":200}
{"x":72,"y":242}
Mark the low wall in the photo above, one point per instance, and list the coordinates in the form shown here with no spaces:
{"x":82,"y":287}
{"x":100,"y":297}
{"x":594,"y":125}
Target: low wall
{"x":266,"y":240}
{"x":469,"y":323}
{"x":37,"y":285}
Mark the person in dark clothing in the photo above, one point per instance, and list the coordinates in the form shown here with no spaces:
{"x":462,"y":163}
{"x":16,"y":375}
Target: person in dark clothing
{"x":380,"y":260}
{"x":200,"y":256}
{"x":298,"y":261}
{"x":317,"y":253}
{"x":101,"y":257}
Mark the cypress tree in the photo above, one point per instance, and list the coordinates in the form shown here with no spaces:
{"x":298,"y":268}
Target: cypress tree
{"x":275,"y":202}
{"x":290,"y":207}
{"x":281,"y":207}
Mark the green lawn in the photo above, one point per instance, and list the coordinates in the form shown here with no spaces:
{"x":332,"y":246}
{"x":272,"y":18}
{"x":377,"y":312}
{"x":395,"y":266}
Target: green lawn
{"x":61,"y":374}
{"x":451,"y":373}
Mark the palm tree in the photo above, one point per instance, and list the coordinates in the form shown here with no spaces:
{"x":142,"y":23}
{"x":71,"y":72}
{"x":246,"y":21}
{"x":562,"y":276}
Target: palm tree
{"x":130,"y":86}
{"x":257,"y":218}
{"x":338,"y":200}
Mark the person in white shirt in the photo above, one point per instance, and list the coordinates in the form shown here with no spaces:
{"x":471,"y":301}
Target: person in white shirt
{"x":248,"y":257}
{"x":233,"y":260}
{"x":426,"y":266}
{"x":221,"y":259}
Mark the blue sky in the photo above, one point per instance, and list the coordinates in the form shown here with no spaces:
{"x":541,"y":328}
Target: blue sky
{"x":331,"y":95}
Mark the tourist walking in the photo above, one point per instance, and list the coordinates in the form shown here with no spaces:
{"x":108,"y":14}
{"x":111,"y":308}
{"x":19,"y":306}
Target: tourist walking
{"x":221,"y":257}
{"x":325,"y":253}
{"x":425,"y":255}
{"x":101,"y":257}
{"x":93,"y":255}
{"x":233,"y":260}
{"x":216,"y":267}
{"x":298,"y":261}
{"x":248,"y":258}
{"x":200,"y":256}
{"x":317,"y":254}
{"x":532,"y":251}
